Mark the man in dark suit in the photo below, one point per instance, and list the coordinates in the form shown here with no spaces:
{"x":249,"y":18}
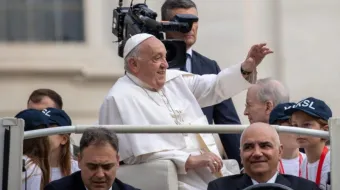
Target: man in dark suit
{"x":241,"y":181}
{"x":223,"y":113}
{"x":98,"y":160}
{"x":260,"y":154}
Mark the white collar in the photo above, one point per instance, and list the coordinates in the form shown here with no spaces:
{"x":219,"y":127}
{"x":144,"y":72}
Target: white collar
{"x":108,"y":189}
{"x":170,"y":74}
{"x":271,"y":180}
{"x":189,"y":51}
{"x":138,"y":81}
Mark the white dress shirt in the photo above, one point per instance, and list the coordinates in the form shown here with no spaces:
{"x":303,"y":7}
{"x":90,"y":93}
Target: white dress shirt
{"x":108,"y":189}
{"x":188,"y":64}
{"x":271,"y":180}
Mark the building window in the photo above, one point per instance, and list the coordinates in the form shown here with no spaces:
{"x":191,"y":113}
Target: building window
{"x":41,"y":20}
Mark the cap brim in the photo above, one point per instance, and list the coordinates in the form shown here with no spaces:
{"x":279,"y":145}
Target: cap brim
{"x":272,"y":122}
{"x":53,"y":123}
{"x":60,"y":124}
{"x":293,"y":110}
{"x":35,"y":127}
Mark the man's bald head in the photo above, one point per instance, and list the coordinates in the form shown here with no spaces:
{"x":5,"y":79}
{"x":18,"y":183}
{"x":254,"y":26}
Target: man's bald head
{"x":261,"y":129}
{"x":260,"y":151}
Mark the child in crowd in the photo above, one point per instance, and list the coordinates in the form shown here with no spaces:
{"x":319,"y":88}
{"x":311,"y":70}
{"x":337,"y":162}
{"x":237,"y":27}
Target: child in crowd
{"x":312,"y":113}
{"x":35,"y":152}
{"x":292,"y":158}
{"x":60,"y":159}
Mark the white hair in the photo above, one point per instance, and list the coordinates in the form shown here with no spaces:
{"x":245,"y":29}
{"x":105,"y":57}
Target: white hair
{"x":132,"y":54}
{"x":272,"y":90}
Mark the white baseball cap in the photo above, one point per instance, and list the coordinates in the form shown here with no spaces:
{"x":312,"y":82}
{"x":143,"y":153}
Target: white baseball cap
{"x":134,"y":41}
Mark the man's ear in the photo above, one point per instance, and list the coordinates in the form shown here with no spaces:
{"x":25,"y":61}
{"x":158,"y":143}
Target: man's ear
{"x":241,"y":156}
{"x":79,"y":160}
{"x":280,"y":151}
{"x":118,"y":160}
{"x":269,"y":107}
{"x":133,"y":65}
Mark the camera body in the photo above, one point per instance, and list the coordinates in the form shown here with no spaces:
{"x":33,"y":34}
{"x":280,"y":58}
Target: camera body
{"x":128,"y":21}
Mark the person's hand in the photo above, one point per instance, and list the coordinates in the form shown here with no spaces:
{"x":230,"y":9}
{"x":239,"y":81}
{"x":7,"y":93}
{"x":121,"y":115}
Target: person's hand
{"x":255,"y":56}
{"x":207,"y":159}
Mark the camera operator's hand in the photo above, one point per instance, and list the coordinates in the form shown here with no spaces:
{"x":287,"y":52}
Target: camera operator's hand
{"x":255,"y":56}
{"x":206,"y":159}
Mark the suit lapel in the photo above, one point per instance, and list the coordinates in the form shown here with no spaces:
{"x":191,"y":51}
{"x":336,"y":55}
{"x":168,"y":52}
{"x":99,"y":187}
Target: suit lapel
{"x":80,"y":184}
{"x":196,"y":64}
{"x":282,"y":180}
{"x":244,"y":182}
{"x":117,"y":185}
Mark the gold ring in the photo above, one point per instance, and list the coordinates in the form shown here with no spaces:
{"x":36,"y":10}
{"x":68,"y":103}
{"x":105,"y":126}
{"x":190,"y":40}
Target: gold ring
{"x":215,"y":162}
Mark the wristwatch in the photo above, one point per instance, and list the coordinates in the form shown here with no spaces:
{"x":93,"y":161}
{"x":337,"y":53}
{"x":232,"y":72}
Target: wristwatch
{"x":245,"y":72}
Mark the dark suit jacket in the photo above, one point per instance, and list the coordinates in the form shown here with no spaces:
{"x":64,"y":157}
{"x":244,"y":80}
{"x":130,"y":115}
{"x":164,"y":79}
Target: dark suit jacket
{"x":74,"y":182}
{"x":242,"y":181}
{"x":223,"y":113}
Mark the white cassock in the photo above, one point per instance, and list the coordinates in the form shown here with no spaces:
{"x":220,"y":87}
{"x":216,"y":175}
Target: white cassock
{"x":178,"y":102}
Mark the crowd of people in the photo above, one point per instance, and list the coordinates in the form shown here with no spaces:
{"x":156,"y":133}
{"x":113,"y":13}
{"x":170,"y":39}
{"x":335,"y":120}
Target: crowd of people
{"x":200,"y":93}
{"x":51,"y":163}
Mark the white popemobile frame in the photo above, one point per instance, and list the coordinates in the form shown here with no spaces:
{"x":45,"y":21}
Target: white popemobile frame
{"x":15,"y":131}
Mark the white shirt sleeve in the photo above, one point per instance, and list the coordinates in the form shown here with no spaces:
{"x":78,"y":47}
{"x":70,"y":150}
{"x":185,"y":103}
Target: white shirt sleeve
{"x":178,"y":157}
{"x":211,"y":89}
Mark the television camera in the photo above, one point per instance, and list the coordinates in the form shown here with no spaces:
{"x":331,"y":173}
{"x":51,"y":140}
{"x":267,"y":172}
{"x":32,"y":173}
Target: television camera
{"x":138,"y":18}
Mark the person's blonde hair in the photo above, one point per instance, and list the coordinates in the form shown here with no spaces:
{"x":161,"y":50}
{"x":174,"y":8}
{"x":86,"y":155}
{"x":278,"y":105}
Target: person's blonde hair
{"x":65,"y":157}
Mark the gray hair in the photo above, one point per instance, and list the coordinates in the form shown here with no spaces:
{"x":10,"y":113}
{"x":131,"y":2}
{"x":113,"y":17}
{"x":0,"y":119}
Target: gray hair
{"x":272,"y":90}
{"x":98,"y":136}
{"x":133,"y":53}
{"x":169,"y":5}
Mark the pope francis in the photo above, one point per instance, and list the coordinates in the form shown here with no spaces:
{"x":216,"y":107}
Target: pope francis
{"x":149,"y":94}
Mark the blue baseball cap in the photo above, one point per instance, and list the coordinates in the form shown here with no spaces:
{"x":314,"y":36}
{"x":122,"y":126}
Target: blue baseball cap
{"x":278,"y":113}
{"x":313,"y":107}
{"x":57,"y":117}
{"x":33,"y":118}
